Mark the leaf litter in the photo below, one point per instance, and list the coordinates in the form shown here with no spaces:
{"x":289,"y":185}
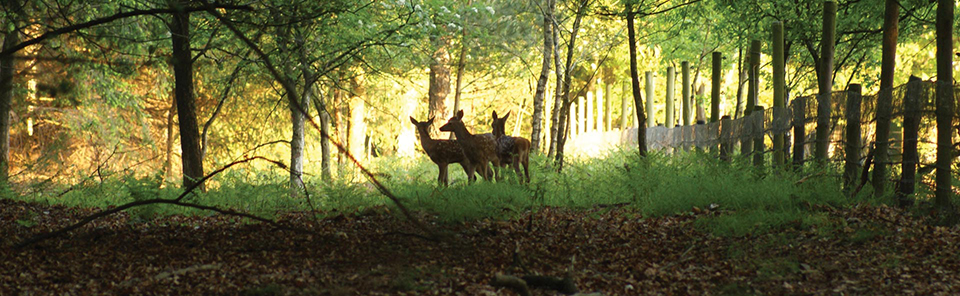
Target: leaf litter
{"x":613,"y":251}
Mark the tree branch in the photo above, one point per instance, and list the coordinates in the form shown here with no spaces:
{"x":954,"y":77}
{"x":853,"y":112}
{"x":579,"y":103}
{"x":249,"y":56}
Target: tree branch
{"x":176,"y":201}
{"x":104,"y":20}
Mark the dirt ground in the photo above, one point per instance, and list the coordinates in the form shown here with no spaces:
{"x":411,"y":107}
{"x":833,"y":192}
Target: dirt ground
{"x":610,"y":250}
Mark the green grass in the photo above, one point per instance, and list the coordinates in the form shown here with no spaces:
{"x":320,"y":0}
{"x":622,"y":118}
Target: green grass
{"x":752,"y":200}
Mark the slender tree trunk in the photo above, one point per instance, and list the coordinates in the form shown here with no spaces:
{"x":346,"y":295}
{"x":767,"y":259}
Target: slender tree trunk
{"x":6,"y":99}
{"x":945,"y":107}
{"x":740,"y":74}
{"x":461,"y":64}
{"x":635,"y":81}
{"x":608,"y":102}
{"x":538,"y":98}
{"x":779,"y":91}
{"x":186,"y":102}
{"x":885,"y":98}
{"x":325,"y":152}
{"x":297,"y":140}
{"x":558,"y":94}
{"x":168,"y":151}
{"x":685,"y":91}
{"x":439,"y":84}
{"x":298,"y":112}
{"x":565,"y":109}
{"x":825,"y":80}
{"x":340,"y":129}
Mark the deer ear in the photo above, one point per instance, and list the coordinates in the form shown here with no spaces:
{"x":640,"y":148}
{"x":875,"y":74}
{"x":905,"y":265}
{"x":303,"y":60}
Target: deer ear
{"x":494,"y":115}
{"x":508,"y":114}
{"x":413,"y":120}
{"x":459,"y":114}
{"x":430,"y":122}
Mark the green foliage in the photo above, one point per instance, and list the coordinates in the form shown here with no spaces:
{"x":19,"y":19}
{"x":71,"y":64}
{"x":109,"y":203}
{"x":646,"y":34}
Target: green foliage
{"x":748,"y":200}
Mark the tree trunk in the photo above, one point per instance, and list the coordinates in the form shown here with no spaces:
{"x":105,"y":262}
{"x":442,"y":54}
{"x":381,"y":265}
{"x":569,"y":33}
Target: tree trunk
{"x":6,"y":99}
{"x":340,"y":108}
{"x":298,"y":113}
{"x":685,"y":91}
{"x":740,"y":74}
{"x":461,"y":64}
{"x":885,"y":98}
{"x":538,"y":98}
{"x":297,"y":140}
{"x":439,"y":85}
{"x":186,"y":102}
{"x":825,"y":80}
{"x":945,"y":106}
{"x":565,"y":109}
{"x":558,"y":95}
{"x":715,"y":86}
{"x":168,"y":151}
{"x":321,"y":104}
{"x":607,"y":102}
{"x":358,"y":129}
{"x":779,"y":91}
{"x":635,"y":81}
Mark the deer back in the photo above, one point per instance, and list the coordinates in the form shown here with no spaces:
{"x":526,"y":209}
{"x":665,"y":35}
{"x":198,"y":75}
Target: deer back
{"x":478,"y":149}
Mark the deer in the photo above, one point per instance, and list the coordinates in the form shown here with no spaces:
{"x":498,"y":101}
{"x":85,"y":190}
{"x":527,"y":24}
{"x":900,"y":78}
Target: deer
{"x":511,"y":150}
{"x":441,"y":152}
{"x":479,"y":150}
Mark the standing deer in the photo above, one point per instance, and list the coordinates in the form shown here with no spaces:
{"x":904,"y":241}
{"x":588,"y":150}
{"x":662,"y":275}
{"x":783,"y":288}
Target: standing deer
{"x":441,"y":152}
{"x":479,"y":150}
{"x":511,"y":150}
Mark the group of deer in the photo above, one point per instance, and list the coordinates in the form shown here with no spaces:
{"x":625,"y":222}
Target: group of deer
{"x":474,"y":152}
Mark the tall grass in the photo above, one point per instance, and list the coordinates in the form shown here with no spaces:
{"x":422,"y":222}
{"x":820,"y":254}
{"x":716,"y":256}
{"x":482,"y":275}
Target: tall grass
{"x":752,"y":199}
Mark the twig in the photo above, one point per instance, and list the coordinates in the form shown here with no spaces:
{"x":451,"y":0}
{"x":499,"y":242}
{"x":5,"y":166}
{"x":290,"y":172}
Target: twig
{"x":865,"y":175}
{"x":176,"y":201}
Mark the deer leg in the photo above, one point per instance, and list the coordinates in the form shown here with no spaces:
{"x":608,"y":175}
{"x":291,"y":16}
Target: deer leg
{"x":442,"y":177}
{"x":526,"y":164}
{"x":496,"y":168}
{"x":485,"y":171}
{"x":516,"y":168}
{"x":470,"y":169}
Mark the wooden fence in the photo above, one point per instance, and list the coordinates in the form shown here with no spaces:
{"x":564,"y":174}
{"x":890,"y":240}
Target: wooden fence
{"x":849,"y":144}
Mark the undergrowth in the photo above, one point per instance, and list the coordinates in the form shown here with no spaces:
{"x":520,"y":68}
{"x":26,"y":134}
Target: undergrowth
{"x":750,"y":199}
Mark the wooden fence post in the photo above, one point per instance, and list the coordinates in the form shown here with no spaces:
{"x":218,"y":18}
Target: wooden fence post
{"x":588,"y":112}
{"x":648,"y":87}
{"x":911,"y":127}
{"x":779,"y":93}
{"x":853,"y":147}
{"x":670,"y":120}
{"x":607,"y":110}
{"x":572,"y":128}
{"x":685,"y":92}
{"x":726,"y":144}
{"x":758,"y":146}
{"x":799,"y":131}
{"x":624,"y":113}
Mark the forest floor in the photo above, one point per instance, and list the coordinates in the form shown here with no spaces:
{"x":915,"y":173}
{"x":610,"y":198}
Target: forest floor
{"x":612,"y":250}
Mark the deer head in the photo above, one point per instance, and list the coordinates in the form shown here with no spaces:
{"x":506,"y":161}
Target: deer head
{"x":422,"y":126}
{"x":453,"y":123}
{"x":499,"y":124}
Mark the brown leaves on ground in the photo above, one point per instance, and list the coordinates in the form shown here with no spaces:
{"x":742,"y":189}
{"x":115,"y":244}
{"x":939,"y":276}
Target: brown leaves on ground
{"x":866,"y":250}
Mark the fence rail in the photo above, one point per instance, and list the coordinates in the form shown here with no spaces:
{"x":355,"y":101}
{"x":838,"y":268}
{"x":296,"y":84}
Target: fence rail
{"x":785,"y":120}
